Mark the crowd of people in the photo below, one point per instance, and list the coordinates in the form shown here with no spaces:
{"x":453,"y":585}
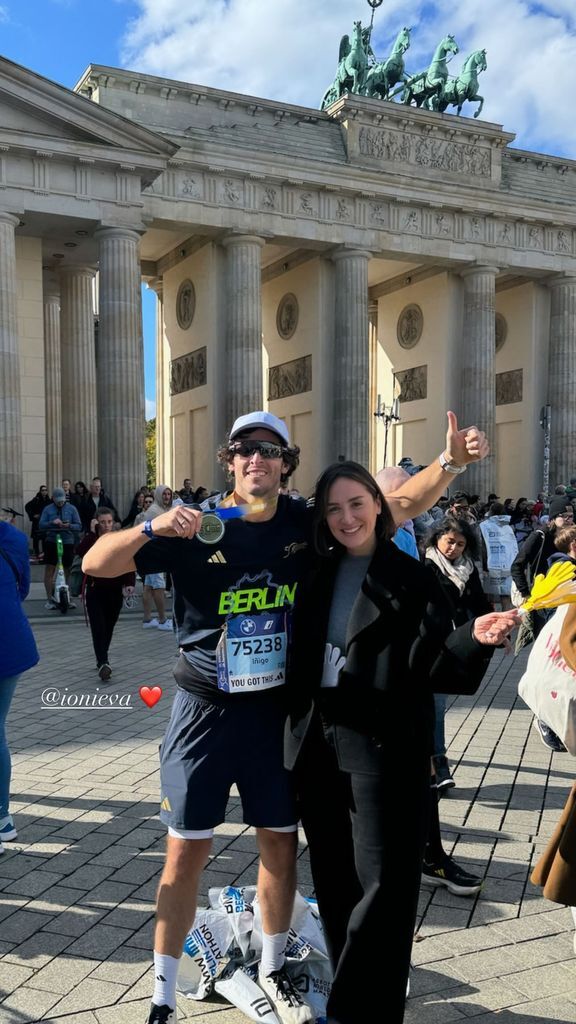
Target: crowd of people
{"x":307,"y":630}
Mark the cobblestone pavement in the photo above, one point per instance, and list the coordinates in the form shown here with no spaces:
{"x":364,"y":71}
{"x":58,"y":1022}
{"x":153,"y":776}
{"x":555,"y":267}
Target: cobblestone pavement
{"x":78,"y":886}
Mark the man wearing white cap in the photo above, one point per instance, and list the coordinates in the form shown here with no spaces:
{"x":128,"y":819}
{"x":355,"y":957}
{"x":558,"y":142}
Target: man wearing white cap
{"x":236,"y":570}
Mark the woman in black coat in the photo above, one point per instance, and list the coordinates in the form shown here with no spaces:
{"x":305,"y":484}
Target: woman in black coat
{"x":34,"y":509}
{"x":450,"y":550}
{"x":373,"y":640}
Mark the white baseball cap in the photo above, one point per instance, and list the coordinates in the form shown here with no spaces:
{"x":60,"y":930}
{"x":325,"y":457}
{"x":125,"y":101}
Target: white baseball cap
{"x":265,"y":420}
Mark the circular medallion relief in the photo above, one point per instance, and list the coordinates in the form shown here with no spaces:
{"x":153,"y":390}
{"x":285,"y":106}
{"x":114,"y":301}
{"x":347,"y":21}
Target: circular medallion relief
{"x":287,"y":316}
{"x":185,"y":304}
{"x":410,"y":325}
{"x":501,"y":331}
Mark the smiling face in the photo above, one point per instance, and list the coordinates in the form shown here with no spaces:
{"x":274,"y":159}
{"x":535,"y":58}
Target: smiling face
{"x":351,"y":514}
{"x":257,"y":477}
{"x":451,"y":545}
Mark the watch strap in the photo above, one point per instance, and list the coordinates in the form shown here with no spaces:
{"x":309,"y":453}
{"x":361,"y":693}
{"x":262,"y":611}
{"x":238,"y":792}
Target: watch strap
{"x":448,"y":467}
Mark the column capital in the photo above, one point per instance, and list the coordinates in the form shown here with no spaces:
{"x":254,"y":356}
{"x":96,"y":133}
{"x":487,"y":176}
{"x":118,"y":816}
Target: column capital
{"x":79,"y":271}
{"x":558,"y":280}
{"x":233,"y":239}
{"x":156,"y":284}
{"x":344,"y":253}
{"x":479,"y":268}
{"x":131,"y":234}
{"x":9,"y":218}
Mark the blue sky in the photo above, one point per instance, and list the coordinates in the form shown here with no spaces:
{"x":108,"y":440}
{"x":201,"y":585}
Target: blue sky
{"x":287,"y":49}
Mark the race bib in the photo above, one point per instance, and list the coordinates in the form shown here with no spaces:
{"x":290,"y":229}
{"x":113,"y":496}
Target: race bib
{"x":251,"y":653}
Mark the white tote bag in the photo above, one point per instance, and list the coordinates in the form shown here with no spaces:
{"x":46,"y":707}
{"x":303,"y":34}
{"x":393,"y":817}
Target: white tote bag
{"x":548,"y":685}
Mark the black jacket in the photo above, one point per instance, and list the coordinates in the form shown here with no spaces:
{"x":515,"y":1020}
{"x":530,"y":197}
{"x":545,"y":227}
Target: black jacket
{"x":401,"y":647}
{"x":470,"y":603}
{"x":88,"y":509}
{"x":532,"y":558}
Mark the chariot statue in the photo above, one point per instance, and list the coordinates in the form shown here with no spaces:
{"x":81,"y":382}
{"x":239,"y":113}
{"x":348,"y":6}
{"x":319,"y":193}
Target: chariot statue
{"x":383,"y":75}
{"x":359,"y":71}
{"x":427,"y":89}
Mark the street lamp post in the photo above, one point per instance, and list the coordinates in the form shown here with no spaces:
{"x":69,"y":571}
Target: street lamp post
{"x":390,"y":414}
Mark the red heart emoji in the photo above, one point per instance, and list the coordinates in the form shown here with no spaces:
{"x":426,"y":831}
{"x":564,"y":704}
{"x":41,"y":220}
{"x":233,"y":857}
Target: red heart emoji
{"x":554,"y":693}
{"x":150,"y":696}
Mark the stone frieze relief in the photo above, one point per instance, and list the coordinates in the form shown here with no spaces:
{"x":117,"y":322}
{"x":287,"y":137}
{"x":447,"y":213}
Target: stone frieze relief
{"x":438,"y":154}
{"x":328,"y":205}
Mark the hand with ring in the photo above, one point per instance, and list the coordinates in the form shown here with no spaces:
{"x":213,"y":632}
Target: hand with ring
{"x":181,"y":521}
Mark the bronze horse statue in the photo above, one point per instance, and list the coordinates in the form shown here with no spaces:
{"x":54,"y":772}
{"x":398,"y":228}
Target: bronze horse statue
{"x":387,"y":73}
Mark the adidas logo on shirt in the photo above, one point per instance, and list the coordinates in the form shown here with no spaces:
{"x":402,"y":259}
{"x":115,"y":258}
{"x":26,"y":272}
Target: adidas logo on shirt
{"x":217,"y":558}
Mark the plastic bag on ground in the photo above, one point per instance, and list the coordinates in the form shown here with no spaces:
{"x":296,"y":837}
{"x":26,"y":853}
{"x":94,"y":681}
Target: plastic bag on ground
{"x":231,"y":928}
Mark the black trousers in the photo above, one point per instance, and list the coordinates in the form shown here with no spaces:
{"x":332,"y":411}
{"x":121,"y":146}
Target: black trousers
{"x":103,"y":608}
{"x":366,"y":830}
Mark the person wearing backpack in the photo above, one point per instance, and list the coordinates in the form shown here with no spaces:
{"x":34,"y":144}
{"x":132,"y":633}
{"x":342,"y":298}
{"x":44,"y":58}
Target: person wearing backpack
{"x":18,"y":650}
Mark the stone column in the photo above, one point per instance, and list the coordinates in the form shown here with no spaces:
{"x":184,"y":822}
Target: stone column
{"x":53,"y":389}
{"x":121,"y":366}
{"x":78,"y":359}
{"x":244,"y":385}
{"x":11,"y":475}
{"x":478,"y":397}
{"x":162,"y":473}
{"x":373,"y":384}
{"x":351,"y":412}
{"x":561,"y":377}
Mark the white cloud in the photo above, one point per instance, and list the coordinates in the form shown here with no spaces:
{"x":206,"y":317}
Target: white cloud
{"x":288,"y":49}
{"x":4,"y":14}
{"x":150,"y":409}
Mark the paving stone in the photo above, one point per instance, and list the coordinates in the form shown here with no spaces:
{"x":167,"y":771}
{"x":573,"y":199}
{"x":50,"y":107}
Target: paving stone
{"x":22,"y":924}
{"x":38,"y":950}
{"x":34,"y":883}
{"x":88,"y":995}
{"x":99,"y":942}
{"x":75,"y":921}
{"x":550,"y":979}
{"x":27,"y":1004}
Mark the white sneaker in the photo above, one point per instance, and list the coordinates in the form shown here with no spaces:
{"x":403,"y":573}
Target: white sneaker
{"x":284,"y":998}
{"x":50,"y":606}
{"x":166,"y":626}
{"x":153,"y":624}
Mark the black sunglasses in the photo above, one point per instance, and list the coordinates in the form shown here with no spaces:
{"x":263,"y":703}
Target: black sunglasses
{"x":267,"y":449}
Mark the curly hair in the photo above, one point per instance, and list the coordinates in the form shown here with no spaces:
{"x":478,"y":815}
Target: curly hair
{"x":290,"y":457}
{"x":453,"y":524}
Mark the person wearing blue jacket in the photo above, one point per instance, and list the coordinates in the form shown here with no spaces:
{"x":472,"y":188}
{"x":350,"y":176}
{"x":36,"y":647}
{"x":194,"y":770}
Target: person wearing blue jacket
{"x":18,"y":650}
{"x":59,"y":517}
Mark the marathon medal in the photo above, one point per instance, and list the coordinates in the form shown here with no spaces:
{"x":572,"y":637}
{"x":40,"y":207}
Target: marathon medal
{"x":211,"y":530}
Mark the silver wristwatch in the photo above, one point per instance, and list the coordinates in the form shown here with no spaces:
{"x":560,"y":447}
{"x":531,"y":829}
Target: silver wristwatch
{"x":455,"y":470}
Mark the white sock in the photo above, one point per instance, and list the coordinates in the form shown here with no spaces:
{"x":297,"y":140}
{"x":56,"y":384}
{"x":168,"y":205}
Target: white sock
{"x":273,"y":949}
{"x":165,"y":971}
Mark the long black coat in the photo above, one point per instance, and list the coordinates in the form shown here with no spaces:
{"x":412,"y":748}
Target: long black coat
{"x":401,"y":648}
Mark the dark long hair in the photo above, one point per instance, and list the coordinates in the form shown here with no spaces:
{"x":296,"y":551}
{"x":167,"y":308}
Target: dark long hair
{"x":449,"y":524}
{"x":324,"y":542}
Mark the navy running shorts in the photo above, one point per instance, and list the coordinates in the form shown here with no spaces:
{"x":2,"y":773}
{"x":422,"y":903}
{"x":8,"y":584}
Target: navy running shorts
{"x":208,"y":748}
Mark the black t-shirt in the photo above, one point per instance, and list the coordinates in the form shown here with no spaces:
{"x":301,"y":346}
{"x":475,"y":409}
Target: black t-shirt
{"x":252,"y":570}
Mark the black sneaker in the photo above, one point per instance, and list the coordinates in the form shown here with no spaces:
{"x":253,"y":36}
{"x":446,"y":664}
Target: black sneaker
{"x":449,"y":876}
{"x":105,"y":672}
{"x":549,"y":738}
{"x":284,"y":998}
{"x":444,"y":779}
{"x":161,"y":1015}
